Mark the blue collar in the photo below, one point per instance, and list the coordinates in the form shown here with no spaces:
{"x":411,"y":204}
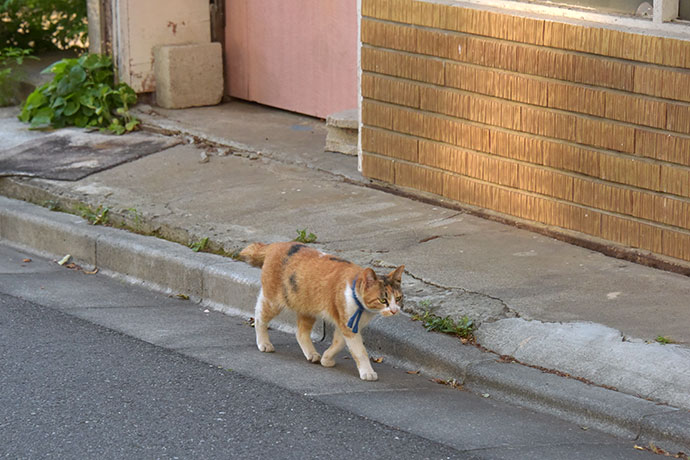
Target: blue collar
{"x":353,"y":323}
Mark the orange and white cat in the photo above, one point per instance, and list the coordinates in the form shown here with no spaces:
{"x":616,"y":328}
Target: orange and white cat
{"x":317,"y":285}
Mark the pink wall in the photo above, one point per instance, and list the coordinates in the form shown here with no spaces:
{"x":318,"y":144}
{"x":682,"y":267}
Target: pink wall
{"x":298,"y":55}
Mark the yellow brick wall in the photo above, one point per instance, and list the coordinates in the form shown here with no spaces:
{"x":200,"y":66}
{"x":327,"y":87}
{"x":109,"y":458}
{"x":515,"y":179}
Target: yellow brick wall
{"x":583,"y":128}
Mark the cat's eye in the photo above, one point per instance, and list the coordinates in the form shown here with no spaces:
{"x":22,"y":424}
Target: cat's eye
{"x":398,"y":299}
{"x":383,"y":300}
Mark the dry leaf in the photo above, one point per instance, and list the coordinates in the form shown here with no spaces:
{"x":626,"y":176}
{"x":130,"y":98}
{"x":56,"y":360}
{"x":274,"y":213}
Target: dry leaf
{"x":26,"y":260}
{"x":182,"y":296}
{"x":65,"y":259}
{"x":91,"y":272}
{"x":377,"y":360}
{"x":413,"y":372}
{"x":657,"y":450}
{"x":638,"y":447}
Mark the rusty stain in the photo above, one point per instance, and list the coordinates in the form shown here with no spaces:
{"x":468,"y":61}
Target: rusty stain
{"x":173,"y":26}
{"x":148,"y":84}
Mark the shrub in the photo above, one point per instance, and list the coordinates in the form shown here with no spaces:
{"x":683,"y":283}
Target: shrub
{"x":10,"y":76}
{"x":43,"y":25}
{"x":81,"y":94}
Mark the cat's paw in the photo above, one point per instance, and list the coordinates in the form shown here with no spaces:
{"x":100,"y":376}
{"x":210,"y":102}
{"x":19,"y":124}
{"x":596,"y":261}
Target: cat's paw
{"x":266,"y":347}
{"x":314,"y":357}
{"x":368,"y":375}
{"x":327,"y":362}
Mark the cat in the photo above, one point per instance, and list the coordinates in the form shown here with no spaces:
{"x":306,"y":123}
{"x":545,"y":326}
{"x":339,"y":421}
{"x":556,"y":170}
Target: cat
{"x":317,"y":285}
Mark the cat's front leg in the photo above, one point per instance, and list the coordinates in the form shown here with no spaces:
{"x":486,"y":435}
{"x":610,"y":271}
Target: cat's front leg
{"x":356,"y":346}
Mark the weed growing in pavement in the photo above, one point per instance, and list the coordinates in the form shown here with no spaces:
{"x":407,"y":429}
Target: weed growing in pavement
{"x":136,"y":218}
{"x":99,"y":216}
{"x":199,"y":245}
{"x":464,"y":328}
{"x":303,"y":237}
{"x":52,"y":205}
{"x":663,"y":340}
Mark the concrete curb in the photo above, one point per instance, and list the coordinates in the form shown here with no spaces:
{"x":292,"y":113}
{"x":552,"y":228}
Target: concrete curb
{"x":232,"y":287}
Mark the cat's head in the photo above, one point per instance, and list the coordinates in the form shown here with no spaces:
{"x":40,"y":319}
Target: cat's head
{"x":383,"y":293}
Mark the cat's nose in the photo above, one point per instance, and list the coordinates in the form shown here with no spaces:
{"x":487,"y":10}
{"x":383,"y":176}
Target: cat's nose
{"x":394,"y":309}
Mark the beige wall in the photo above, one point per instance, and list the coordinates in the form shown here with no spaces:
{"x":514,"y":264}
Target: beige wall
{"x":582,"y":128}
{"x":142,"y":24}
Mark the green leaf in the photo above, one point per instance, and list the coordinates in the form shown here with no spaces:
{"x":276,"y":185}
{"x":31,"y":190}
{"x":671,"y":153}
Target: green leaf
{"x":81,"y":121}
{"x":43,"y":117}
{"x":35,"y":99}
{"x":116,"y":127}
{"x":77,"y":74}
{"x":71,"y":108}
{"x":95,"y":61}
{"x":132,"y":124}
{"x":58,"y":102}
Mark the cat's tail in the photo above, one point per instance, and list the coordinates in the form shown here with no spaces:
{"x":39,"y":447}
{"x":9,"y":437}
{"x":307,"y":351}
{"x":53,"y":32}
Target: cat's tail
{"x":254,"y":254}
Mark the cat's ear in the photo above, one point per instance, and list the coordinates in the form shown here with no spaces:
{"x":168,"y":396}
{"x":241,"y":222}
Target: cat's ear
{"x":369,"y":277}
{"x":396,"y":275}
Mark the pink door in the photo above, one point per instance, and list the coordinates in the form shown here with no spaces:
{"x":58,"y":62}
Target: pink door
{"x":298,"y":55}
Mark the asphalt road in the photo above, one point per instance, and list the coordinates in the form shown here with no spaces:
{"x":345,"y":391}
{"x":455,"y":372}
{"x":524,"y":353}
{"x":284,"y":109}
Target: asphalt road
{"x":92,"y":367}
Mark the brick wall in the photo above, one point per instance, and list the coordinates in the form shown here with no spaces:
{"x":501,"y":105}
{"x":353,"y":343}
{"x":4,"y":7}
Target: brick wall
{"x":583,"y":128}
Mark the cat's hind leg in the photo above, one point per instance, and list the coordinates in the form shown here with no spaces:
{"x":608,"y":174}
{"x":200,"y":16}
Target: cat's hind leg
{"x":328,"y":358}
{"x":305,"y":323}
{"x":263,"y":314}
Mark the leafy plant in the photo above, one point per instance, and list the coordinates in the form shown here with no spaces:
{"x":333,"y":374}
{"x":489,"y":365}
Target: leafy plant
{"x":136,"y":218}
{"x":52,"y":205}
{"x":82,"y":94}
{"x":199,"y":245}
{"x":43,"y":25}
{"x":463,"y":328}
{"x":302,"y":236}
{"x":98,"y":216}
{"x":10,"y":75}
{"x":664,"y":340}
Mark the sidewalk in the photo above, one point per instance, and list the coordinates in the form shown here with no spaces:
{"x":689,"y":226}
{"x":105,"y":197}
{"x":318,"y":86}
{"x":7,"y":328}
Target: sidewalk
{"x":546,"y":303}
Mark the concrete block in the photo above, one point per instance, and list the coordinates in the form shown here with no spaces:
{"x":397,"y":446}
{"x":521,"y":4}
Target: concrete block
{"x":188,"y":75}
{"x":342,"y":129}
{"x":347,"y":119}
{"x":169,"y":267}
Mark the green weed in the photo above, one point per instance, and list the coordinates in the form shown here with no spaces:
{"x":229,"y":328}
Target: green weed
{"x":99,"y":216}
{"x":663,"y":340}
{"x":303,"y":237}
{"x":199,"y":245}
{"x":464,"y":328}
{"x":52,"y":205}
{"x":136,"y":218}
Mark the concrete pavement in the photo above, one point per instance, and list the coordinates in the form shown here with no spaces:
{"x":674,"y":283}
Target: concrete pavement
{"x":95,"y":367}
{"x":548,"y":303}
